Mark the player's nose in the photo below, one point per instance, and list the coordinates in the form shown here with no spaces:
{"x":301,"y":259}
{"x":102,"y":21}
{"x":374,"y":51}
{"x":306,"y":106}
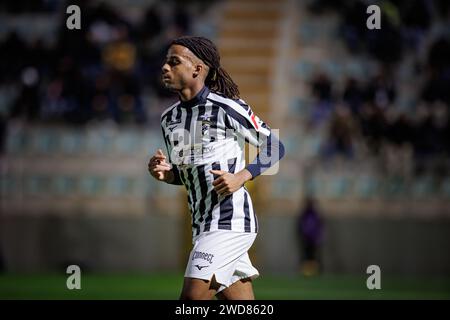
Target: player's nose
{"x":165,"y":68}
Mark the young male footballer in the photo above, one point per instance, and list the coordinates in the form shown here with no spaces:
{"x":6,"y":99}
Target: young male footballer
{"x":205,"y":134}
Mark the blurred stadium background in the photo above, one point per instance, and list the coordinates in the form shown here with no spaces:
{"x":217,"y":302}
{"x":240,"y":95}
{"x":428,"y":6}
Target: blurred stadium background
{"x":364,"y":115}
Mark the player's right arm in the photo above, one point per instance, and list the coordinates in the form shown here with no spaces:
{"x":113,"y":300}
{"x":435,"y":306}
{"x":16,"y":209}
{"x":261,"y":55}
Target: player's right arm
{"x":161,"y":170}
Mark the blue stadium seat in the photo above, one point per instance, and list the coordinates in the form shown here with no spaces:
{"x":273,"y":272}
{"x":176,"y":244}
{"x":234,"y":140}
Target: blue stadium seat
{"x":338,"y":186}
{"x":312,"y":144}
{"x":299,"y":107}
{"x":445,"y":188}
{"x":71,"y":142}
{"x":304,"y":69}
{"x":423,"y":187}
{"x":366,"y":186}
{"x":355,"y":69}
{"x":92,"y":185}
{"x":17,"y":143}
{"x":45,"y":141}
{"x":285,"y":188}
{"x":308,"y":33}
{"x":333,"y":69}
{"x":151,"y":141}
{"x":127,"y":143}
{"x":37,"y":184}
{"x":312,"y":186}
{"x":292,"y":144}
{"x":64,"y":185}
{"x":8,"y":185}
{"x":99,"y":143}
{"x":395,"y":187}
{"x":120,"y":185}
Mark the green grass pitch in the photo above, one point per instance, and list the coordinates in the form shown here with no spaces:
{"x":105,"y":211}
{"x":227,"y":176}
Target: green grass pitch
{"x":167,"y":286}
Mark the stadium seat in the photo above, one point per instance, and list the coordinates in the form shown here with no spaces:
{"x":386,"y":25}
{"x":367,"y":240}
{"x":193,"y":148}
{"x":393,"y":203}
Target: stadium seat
{"x":445,"y":188}
{"x":91,"y":185}
{"x":299,"y":107}
{"x":304,"y":69}
{"x":366,"y":186}
{"x":7,"y":184}
{"x":338,"y":186}
{"x":333,"y":69}
{"x":37,"y":184}
{"x":308,"y":33}
{"x":72,"y":142}
{"x":355,"y":69}
{"x":98,"y":143}
{"x":45,"y":141}
{"x":16,"y":143}
{"x":120,"y":185}
{"x":127,"y":143}
{"x":423,"y":187}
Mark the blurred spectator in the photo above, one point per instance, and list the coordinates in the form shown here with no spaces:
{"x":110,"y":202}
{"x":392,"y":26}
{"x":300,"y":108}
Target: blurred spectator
{"x":322,"y":92}
{"x":342,"y":132}
{"x":438,"y":82}
{"x":381,"y":90}
{"x":416,"y":17}
{"x":321,"y":87}
{"x":27,"y":105}
{"x":182,"y":19}
{"x":399,"y":129}
{"x":384,"y":44}
{"x":373,"y":126}
{"x":310,"y":231}
{"x":97,"y":73}
{"x":18,"y":7}
{"x":353,"y":95}
{"x":431,"y":133}
{"x":152,"y":24}
{"x":353,"y":27}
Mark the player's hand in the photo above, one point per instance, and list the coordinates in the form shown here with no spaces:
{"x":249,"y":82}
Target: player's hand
{"x":159,"y":168}
{"x":227,"y":182}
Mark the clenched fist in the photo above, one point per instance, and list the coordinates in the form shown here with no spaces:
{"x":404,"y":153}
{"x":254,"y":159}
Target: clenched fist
{"x":227,"y":182}
{"x":159,"y":168}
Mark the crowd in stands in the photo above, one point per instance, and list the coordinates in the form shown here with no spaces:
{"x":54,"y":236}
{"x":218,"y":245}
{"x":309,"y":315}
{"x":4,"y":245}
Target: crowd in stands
{"x":99,"y":72}
{"x":103,"y":71}
{"x":368,"y":108}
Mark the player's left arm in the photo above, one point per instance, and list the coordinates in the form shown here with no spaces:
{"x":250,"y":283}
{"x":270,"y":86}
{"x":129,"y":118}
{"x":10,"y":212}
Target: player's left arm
{"x":270,"y":150}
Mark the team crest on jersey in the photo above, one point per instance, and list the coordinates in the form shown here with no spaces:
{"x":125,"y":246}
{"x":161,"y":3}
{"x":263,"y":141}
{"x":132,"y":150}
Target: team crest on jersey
{"x":205,"y":128}
{"x":206,"y":123}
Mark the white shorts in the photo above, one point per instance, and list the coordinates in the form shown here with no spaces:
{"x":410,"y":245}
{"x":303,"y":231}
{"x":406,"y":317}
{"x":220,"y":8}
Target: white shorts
{"x":223,"y":254}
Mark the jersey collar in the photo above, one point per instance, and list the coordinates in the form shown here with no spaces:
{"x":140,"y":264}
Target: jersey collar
{"x":199,"y":98}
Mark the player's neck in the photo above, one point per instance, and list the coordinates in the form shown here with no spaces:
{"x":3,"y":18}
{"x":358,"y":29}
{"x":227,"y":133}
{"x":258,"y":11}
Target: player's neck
{"x":189,"y":93}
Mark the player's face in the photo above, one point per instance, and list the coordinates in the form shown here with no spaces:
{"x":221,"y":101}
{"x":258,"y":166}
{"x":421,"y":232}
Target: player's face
{"x":178,"y":69}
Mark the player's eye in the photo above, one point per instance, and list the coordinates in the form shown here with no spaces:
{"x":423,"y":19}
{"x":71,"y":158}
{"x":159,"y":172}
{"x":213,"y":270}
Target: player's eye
{"x":172,"y":62}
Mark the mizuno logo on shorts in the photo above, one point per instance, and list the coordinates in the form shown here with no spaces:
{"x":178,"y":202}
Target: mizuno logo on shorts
{"x":200,"y":267}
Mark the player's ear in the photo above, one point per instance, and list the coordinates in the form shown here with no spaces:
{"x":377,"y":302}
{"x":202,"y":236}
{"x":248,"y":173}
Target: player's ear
{"x":197,"y":70}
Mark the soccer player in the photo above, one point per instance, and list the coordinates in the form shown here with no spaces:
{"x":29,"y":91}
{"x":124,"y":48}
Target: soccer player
{"x":205,"y":134}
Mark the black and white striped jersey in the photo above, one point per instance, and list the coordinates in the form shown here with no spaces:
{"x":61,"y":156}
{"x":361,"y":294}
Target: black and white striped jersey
{"x":209,"y":132}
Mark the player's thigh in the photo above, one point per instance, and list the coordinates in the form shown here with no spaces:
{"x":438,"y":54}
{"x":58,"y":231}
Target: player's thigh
{"x":198,"y":289}
{"x":240,"y":290}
